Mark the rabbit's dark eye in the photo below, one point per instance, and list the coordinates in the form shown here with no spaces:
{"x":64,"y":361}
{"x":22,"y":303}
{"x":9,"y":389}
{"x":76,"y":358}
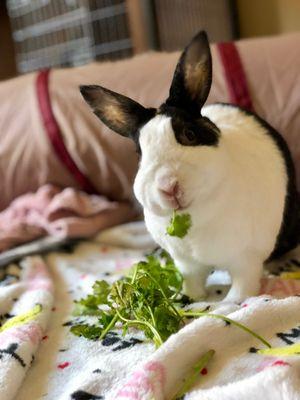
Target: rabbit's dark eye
{"x":188,"y":137}
{"x":191,"y":132}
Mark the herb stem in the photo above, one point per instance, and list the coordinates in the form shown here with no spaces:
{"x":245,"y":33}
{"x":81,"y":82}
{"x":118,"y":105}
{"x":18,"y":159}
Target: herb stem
{"x":134,"y":274}
{"x":231,"y":321}
{"x":164,"y":295}
{"x":119,"y":293}
{"x":156,"y":335}
{"x":189,"y":382}
{"x":151,"y":314}
{"x":109,"y":326}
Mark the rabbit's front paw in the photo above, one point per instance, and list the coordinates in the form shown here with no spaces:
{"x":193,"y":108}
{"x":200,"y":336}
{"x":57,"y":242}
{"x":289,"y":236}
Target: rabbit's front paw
{"x":194,"y":289}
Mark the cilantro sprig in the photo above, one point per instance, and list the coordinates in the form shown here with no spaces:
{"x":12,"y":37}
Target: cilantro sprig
{"x":179,"y":225}
{"x":148,"y":299}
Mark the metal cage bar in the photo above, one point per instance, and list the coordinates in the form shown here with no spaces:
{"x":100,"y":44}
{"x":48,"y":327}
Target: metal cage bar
{"x":51,"y":33}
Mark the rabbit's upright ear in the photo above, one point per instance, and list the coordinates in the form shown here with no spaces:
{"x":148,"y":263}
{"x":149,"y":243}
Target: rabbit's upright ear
{"x":118,"y":112}
{"x":192,"y":78}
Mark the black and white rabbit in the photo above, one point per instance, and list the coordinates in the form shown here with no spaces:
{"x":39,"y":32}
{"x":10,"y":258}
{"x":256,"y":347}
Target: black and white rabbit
{"x":227,"y":168}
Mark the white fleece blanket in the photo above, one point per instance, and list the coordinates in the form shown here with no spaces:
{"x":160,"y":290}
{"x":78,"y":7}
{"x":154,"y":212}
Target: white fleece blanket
{"x":41,"y":360}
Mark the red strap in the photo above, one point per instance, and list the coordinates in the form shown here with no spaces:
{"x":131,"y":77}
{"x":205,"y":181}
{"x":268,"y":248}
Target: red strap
{"x":53,"y":132}
{"x":235,"y":75}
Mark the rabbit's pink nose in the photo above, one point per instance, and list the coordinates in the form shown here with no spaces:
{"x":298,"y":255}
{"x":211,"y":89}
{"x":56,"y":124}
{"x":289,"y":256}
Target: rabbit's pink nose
{"x":170,"y":191}
{"x":168,"y":187}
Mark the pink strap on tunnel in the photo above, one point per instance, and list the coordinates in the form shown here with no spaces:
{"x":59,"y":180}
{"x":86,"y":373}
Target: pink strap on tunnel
{"x":54,"y":134}
{"x":235,"y":75}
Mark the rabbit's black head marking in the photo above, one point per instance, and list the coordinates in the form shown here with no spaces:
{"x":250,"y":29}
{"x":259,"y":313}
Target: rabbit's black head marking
{"x":188,"y":92}
{"x":189,"y":130}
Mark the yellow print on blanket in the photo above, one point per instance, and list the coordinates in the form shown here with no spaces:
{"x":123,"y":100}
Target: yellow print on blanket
{"x":292,"y":350}
{"x":22,"y":319}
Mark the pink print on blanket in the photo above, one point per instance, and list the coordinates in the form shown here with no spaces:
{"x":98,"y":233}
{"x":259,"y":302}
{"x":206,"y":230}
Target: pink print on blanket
{"x":37,"y":276}
{"x":147,"y":382}
{"x":31,"y":333}
{"x":272,"y":362}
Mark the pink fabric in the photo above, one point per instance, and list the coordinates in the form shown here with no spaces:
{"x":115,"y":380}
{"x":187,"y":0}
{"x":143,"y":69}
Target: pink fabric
{"x":109,"y":161}
{"x":59,"y":212}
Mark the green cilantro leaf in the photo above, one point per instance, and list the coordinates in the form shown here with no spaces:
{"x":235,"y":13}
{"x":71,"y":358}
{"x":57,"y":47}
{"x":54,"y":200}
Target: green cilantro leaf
{"x":179,"y":225}
{"x":91,"y":332}
{"x":101,"y":291}
{"x":146,"y":299}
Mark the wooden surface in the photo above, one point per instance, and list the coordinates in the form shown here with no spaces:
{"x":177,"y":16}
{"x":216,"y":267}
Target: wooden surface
{"x":137,"y":26}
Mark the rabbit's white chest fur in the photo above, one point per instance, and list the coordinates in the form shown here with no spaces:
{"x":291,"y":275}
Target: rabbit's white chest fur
{"x":235,"y":193}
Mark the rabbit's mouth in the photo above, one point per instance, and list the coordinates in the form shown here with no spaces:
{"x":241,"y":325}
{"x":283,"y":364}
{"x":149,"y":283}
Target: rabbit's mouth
{"x":173,"y":202}
{"x":161,"y":200}
{"x":166,"y":211}
{"x":183,"y":207}
{"x":178,"y":204}
{"x":166,"y":205}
